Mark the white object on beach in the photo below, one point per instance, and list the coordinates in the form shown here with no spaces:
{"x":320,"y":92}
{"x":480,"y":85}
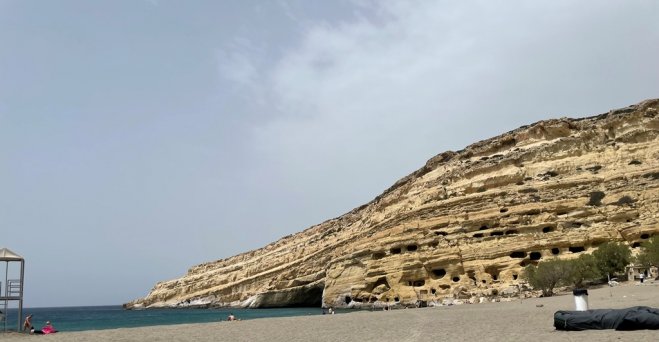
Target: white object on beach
{"x":580,"y":299}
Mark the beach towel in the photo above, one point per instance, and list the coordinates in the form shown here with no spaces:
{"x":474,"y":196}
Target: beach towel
{"x":634,"y":318}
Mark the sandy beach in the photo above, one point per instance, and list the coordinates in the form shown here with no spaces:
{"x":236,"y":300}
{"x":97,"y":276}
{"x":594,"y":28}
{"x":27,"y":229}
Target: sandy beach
{"x":530,"y":319}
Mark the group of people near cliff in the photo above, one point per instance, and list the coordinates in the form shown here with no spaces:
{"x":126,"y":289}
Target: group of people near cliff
{"x":46,"y":329}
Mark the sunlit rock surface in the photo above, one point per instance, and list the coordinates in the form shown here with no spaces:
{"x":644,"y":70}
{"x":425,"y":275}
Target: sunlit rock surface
{"x":461,"y":227}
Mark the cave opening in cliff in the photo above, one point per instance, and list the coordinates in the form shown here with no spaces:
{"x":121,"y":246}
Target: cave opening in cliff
{"x":503,"y":210}
{"x":348,"y":299}
{"x":396,"y":250}
{"x":478,"y":235}
{"x":645,"y":236}
{"x":433,"y":291}
{"x":418,"y":283}
{"x":496,"y":234}
{"x":483,"y":227}
{"x":396,"y":299}
{"x":555,"y":251}
{"x":493,"y":271}
{"x":511,"y":232}
{"x":636,"y":244}
{"x":303,"y":296}
{"x":515,"y":276}
{"x":518,"y":254}
{"x":547,"y":229}
{"x":439,"y":272}
{"x":378,"y":255}
{"x":535,"y":256}
{"x":456,"y":279}
{"x":576,"y":249}
{"x":412,"y":248}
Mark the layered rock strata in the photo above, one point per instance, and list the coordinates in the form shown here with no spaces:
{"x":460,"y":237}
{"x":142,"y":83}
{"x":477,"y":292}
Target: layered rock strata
{"x":464,"y":225}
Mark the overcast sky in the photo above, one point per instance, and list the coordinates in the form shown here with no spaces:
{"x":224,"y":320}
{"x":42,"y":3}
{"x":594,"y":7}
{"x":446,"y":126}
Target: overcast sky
{"x":139,"y":138}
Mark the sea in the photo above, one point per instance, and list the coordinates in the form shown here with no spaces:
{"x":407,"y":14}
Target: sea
{"x":112,"y":317}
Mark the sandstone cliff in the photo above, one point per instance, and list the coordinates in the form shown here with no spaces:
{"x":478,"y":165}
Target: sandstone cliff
{"x":463,"y":225}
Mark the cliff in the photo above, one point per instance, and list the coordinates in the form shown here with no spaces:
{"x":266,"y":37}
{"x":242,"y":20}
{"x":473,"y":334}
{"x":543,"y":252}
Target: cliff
{"x":462,"y":226}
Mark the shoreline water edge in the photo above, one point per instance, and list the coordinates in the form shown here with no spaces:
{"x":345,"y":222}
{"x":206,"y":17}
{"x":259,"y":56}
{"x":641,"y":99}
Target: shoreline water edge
{"x":505,"y":321}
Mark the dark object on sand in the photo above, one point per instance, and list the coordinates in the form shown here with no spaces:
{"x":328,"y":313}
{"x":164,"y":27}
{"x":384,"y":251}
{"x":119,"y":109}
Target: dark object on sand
{"x":634,"y":318}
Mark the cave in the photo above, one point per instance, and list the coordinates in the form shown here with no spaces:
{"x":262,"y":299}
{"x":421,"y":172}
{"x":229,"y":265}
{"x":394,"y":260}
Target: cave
{"x":503,"y":210}
{"x":441,"y":233}
{"x":418,"y":283}
{"x":645,"y":236}
{"x":496,"y":234}
{"x":483,"y":227}
{"x":493,"y":271}
{"x":439,"y":272}
{"x":348,"y":299}
{"x":518,"y":254}
{"x":478,"y":235}
{"x":484,"y":281}
{"x":433,"y":291}
{"x":547,"y":229}
{"x":456,"y":279}
{"x":301,"y":296}
{"x":396,"y":299}
{"x":412,"y":248}
{"x":515,"y":276}
{"x":535,"y":256}
{"x":511,"y":232}
{"x":555,"y":251}
{"x":577,"y":249}
{"x":395,"y":250}
{"x":377,"y":255}
{"x":380,"y":281}
{"x":636,"y":244}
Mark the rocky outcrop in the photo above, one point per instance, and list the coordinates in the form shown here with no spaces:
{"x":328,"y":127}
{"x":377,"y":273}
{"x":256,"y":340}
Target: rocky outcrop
{"x":463,"y":225}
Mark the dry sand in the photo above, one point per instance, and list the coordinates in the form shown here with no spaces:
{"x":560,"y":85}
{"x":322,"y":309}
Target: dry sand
{"x":527,"y":320}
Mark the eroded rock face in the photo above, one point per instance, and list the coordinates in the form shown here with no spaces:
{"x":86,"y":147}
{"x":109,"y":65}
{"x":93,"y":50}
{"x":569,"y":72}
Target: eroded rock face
{"x":462,"y":226}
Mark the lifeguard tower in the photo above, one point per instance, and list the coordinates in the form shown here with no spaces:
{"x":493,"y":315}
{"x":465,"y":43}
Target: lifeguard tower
{"x":11,"y":290}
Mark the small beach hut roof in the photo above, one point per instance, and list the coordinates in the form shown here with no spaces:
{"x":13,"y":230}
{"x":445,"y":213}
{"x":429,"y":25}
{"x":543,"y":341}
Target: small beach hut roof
{"x":7,"y":255}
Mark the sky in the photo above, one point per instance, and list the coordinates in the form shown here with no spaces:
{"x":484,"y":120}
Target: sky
{"x":140,"y":138}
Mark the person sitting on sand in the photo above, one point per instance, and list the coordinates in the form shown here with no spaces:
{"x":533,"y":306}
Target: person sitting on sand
{"x":27,"y":325}
{"x":48,"y":329}
{"x":231,"y":317}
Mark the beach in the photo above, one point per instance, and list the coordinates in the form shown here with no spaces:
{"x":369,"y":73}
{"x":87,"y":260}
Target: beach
{"x":528,"y":319}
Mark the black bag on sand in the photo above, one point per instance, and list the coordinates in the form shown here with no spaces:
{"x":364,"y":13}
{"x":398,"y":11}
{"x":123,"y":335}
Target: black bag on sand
{"x":634,"y":318}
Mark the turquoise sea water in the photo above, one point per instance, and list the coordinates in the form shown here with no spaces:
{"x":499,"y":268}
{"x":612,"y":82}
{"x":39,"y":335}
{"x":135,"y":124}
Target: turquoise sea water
{"x":111,"y":317}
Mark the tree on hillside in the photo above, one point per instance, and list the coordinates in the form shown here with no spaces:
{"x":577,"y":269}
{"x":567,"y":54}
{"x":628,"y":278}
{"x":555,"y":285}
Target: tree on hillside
{"x":649,"y":255}
{"x":612,"y":258}
{"x":580,"y":270}
{"x":546,"y":276}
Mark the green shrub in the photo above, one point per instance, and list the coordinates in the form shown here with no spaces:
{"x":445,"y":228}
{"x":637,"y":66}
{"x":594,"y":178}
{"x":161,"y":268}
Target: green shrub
{"x":649,"y":255}
{"x":580,"y":270}
{"x":546,"y":276}
{"x":612,"y":258}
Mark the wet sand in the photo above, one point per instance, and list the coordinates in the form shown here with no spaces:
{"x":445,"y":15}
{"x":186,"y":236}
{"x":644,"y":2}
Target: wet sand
{"x":530,"y":319}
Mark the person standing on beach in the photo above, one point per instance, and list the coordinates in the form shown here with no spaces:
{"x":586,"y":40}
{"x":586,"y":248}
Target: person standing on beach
{"x":231,"y":317}
{"x":27,"y":325}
